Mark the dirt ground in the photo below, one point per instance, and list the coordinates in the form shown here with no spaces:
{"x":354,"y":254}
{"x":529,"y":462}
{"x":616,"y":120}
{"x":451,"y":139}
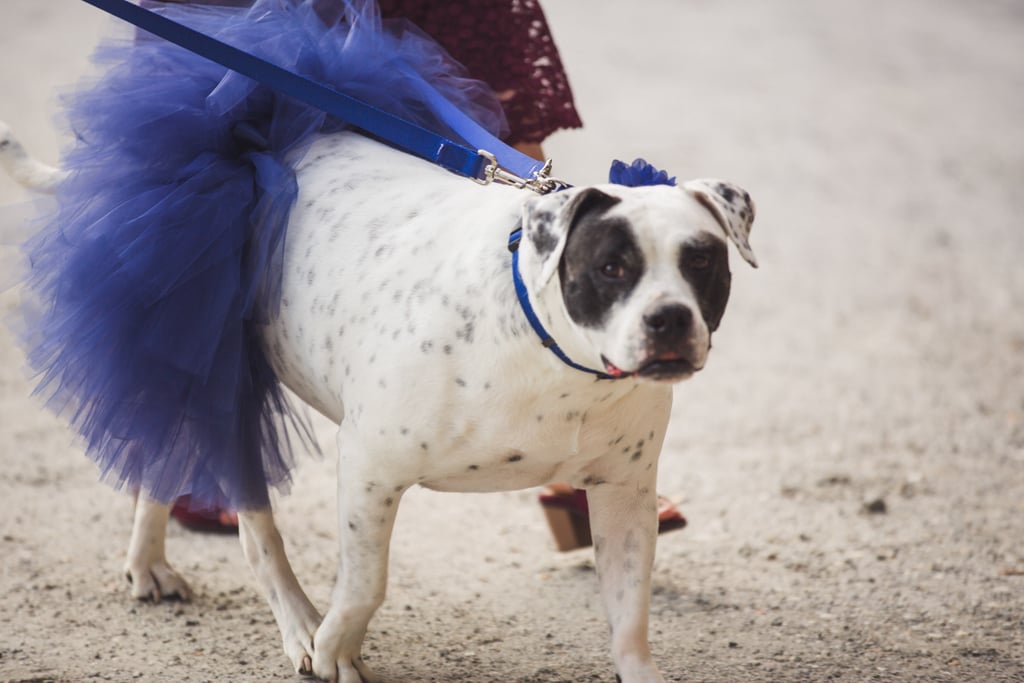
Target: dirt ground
{"x":851,"y":462}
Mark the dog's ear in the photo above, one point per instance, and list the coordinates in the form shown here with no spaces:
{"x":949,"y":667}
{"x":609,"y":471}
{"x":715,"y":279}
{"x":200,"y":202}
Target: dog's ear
{"x":549,"y":219}
{"x":731,"y":206}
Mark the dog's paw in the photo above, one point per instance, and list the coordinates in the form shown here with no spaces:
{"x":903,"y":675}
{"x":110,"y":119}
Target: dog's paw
{"x":297,"y":636}
{"x":300,"y":653}
{"x":641,"y":674}
{"x":157,"y":581}
{"x":355,"y":671}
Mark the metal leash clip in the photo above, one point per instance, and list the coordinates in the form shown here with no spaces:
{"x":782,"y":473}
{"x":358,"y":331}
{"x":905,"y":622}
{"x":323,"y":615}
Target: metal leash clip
{"x":541,"y":182}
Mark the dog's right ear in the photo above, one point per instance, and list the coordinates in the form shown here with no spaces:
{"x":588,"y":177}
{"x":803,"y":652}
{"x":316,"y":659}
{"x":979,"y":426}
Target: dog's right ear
{"x":549,"y":219}
{"x":731,"y":206}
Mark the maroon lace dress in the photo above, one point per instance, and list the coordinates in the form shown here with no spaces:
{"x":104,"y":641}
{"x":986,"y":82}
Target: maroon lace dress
{"x":508,"y":45}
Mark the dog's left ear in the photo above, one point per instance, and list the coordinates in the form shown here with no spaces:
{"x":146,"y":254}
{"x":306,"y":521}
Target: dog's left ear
{"x":732,"y":207}
{"x":549,"y":219}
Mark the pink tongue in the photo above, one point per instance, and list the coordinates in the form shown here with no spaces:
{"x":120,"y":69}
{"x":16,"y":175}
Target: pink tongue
{"x":612,"y":370}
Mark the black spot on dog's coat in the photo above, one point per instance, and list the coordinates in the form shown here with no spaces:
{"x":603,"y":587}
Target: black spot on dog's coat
{"x":543,"y":238}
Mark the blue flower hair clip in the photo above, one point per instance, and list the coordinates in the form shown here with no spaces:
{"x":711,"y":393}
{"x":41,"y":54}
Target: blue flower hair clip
{"x":638,"y":173}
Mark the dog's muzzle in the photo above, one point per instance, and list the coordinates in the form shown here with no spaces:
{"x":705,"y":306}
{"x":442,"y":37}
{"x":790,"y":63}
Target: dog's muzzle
{"x":670,"y":349}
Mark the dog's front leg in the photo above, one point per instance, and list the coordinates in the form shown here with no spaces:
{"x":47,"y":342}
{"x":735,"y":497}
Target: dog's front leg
{"x":368,"y":498}
{"x":624,"y":520}
{"x":296,"y":617}
{"x":146,"y":566}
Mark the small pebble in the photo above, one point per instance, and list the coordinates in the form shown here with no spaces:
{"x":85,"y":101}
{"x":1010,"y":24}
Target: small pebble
{"x":876,"y":506}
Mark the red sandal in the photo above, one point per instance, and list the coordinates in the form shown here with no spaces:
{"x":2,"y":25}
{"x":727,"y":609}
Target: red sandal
{"x":568,"y":516}
{"x":211,"y":520}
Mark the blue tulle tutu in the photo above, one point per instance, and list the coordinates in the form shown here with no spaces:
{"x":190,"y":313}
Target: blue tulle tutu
{"x":154,"y":274}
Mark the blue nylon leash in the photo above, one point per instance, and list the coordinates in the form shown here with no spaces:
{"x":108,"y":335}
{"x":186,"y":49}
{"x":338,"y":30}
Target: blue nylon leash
{"x":480,"y":164}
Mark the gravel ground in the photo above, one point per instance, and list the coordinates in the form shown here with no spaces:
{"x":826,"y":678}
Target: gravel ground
{"x":851,"y":462}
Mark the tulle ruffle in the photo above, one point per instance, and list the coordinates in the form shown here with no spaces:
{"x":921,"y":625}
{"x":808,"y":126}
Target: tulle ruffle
{"x":153,"y":277}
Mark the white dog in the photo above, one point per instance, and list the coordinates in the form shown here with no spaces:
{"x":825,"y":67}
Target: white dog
{"x":399,"y":320}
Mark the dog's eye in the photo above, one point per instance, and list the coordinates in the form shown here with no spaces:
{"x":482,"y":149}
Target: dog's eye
{"x":613,"y":270}
{"x":698,"y":260}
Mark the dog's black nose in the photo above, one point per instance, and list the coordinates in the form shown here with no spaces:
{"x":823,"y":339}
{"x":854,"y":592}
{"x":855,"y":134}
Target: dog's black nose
{"x":669,"y":322}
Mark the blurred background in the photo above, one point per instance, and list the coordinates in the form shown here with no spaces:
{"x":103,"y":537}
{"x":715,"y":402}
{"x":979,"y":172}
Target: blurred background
{"x":851,"y":461}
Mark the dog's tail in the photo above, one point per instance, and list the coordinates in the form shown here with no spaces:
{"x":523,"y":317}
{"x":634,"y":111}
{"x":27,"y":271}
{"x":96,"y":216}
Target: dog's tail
{"x":28,"y":172}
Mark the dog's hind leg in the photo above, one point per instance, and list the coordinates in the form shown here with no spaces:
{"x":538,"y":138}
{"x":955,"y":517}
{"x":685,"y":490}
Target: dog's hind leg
{"x":146,"y":566}
{"x":296,"y":617}
{"x":368,"y":496}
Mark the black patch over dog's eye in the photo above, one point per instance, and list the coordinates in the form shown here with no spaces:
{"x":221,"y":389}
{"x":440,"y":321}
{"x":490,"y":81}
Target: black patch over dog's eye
{"x":704,"y":263}
{"x":601,"y":265}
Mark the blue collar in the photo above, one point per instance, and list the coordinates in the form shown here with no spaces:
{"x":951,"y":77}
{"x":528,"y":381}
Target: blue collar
{"x":531,"y":316}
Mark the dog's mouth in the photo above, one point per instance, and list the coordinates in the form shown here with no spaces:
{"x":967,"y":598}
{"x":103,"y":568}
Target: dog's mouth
{"x":667,"y":368}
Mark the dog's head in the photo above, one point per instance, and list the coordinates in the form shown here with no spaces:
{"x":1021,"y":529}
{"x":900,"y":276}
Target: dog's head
{"x":643,"y":272}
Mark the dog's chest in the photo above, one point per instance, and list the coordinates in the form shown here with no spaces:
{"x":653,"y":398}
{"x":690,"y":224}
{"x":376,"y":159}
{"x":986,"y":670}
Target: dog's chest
{"x":519,"y":439}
